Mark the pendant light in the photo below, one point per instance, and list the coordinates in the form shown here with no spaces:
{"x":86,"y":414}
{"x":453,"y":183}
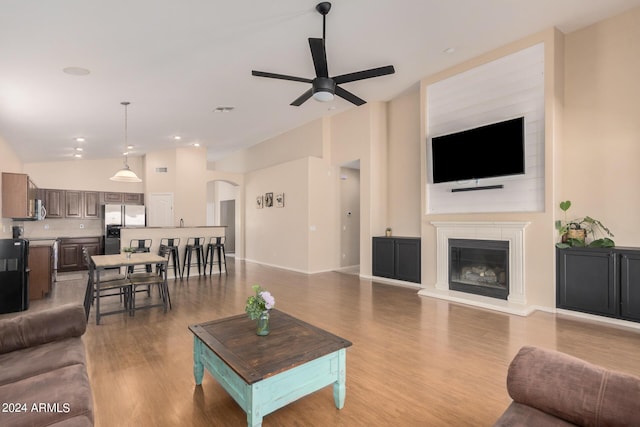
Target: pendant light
{"x":125,"y":174}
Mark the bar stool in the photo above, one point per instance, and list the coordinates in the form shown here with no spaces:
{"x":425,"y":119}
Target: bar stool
{"x":216,"y":245}
{"x":173,"y":244}
{"x":140,"y":245}
{"x":193,"y":244}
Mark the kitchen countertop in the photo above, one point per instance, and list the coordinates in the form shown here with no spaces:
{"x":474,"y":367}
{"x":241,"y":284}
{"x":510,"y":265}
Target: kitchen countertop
{"x":184,"y":226}
{"x":41,"y":242}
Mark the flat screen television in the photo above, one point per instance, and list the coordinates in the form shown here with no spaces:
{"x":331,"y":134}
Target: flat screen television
{"x":487,"y":151}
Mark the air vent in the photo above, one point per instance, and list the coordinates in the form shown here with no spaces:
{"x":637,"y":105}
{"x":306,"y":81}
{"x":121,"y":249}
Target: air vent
{"x":162,"y":170}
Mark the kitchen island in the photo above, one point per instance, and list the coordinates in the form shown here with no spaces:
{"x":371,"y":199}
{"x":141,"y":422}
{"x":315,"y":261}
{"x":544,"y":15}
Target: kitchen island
{"x":157,"y":233}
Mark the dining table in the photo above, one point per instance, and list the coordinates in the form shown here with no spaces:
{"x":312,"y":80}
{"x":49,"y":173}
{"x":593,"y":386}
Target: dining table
{"x":121,"y":260}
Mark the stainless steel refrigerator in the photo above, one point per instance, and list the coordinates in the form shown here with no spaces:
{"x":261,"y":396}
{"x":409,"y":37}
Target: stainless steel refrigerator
{"x":14,"y":275}
{"x":116,"y":217}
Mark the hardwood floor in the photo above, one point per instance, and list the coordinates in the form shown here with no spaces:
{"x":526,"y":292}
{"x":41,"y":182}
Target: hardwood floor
{"x":415,"y":361}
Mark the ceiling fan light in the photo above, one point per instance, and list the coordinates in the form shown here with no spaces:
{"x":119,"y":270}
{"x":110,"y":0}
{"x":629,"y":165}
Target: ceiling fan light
{"x":323,"y":96}
{"x":125,"y":175}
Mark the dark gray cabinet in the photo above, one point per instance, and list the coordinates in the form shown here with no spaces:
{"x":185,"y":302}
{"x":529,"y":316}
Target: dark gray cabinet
{"x":397,"y":258}
{"x":630,"y":285}
{"x":602,"y":281}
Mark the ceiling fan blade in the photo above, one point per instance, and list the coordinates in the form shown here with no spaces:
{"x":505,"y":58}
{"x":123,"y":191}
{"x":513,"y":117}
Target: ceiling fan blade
{"x":280,"y":76}
{"x":367,"y":74}
{"x":298,"y":102}
{"x":319,"y":55}
{"x":345,"y":94}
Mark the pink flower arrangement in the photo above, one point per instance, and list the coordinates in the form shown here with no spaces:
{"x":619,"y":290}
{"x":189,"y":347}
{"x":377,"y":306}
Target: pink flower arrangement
{"x":261,"y":301}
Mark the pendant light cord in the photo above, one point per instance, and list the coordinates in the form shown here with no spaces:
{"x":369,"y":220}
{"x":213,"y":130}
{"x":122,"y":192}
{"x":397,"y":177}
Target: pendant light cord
{"x":126,"y":150}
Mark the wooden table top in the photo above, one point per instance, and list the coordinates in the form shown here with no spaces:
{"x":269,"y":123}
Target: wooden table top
{"x":290,"y":343}
{"x":121,"y":260}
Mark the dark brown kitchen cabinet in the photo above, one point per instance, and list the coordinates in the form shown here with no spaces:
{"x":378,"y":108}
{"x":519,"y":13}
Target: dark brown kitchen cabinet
{"x":124,"y":198}
{"x":83,"y":204}
{"x":133,"y":199}
{"x":73,"y":204}
{"x":70,"y":252}
{"x":40,"y":271}
{"x":54,"y":203}
{"x":113,"y":198}
{"x":91,"y":207}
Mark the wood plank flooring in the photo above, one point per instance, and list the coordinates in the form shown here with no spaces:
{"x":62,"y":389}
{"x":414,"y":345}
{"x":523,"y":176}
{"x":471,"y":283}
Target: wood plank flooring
{"x":415,"y":361}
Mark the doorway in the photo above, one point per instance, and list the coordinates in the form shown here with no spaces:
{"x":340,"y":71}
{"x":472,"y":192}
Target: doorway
{"x":350,"y":217}
{"x":228,"y":219}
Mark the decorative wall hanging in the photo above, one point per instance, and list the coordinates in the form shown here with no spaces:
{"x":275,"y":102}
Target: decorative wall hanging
{"x":268,"y":200}
{"x":279,"y":200}
{"x":259,"y":202}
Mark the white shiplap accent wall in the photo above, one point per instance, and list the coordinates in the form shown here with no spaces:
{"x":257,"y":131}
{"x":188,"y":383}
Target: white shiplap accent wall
{"x":512,"y":86}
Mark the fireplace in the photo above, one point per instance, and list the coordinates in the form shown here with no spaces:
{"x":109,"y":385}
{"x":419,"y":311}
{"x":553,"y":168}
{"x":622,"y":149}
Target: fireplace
{"x":510,"y":232}
{"x":479,"y":267}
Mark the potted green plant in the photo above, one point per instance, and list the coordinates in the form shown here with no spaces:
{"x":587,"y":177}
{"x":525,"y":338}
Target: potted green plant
{"x":128,"y":251}
{"x":576,"y":232}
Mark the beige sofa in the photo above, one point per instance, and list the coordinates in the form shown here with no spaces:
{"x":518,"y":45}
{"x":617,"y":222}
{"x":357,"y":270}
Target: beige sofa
{"x":43,"y":375}
{"x":549,"y":388}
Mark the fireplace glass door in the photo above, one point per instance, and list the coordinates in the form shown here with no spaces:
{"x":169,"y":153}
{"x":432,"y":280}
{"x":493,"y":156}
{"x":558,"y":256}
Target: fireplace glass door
{"x":479,"y":267}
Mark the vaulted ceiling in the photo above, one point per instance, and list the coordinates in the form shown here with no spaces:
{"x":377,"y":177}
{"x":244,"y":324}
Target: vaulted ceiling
{"x":179,"y":61}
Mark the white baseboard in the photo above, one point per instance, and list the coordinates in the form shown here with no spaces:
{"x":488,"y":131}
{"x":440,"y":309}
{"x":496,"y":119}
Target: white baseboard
{"x":396,"y":282}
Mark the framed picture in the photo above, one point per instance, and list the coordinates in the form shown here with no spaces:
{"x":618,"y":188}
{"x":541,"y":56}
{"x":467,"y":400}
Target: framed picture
{"x":268,"y":200}
{"x":279,"y":200}
{"x":259,"y":202}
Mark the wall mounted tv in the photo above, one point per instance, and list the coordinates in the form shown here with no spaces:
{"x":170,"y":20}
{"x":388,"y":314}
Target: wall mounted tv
{"x":487,"y":151}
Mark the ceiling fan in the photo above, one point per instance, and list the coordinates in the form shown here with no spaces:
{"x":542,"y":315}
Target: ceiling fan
{"x":323,"y":87}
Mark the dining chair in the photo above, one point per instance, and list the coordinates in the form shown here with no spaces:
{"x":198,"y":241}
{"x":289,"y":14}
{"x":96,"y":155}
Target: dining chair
{"x":156,"y":278}
{"x":141,"y":245}
{"x":110,"y":285}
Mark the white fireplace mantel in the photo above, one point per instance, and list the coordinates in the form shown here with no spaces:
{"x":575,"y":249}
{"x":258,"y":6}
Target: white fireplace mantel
{"x":512,"y":232}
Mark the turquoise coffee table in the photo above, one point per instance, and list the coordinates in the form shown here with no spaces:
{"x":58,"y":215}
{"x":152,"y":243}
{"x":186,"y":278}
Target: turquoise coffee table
{"x":263,"y":374}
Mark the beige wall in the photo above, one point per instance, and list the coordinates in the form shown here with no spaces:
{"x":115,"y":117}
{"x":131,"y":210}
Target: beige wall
{"x":160,"y":182}
{"x":88,"y":175}
{"x":601,"y":147}
{"x":361,"y":133}
{"x":190,"y":199}
{"x":404,"y":164}
{"x":279,"y":236}
{"x":9,"y":162}
{"x":324,"y":207}
{"x":297,"y":143}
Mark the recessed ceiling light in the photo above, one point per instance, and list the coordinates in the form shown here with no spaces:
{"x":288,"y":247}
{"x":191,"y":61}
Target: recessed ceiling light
{"x":177,"y":137}
{"x":129,"y":147}
{"x":80,"y":139}
{"x":223,"y":109}
{"x":196,"y":144}
{"x":76,"y":71}
{"x":449,"y":50}
{"x":77,"y":155}
{"x":78,"y":148}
